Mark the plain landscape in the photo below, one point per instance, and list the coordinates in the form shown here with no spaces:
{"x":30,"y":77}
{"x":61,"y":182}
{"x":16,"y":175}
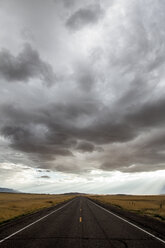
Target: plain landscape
{"x":151,"y":205}
{"x":13,"y":205}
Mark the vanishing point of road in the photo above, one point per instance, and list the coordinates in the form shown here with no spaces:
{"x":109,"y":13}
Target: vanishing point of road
{"x":76,"y":224}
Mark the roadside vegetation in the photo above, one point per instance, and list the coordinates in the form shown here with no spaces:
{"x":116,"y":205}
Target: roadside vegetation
{"x":13,"y":205}
{"x":152,"y":205}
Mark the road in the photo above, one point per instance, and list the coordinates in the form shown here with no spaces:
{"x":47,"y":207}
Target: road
{"x":79,"y":223}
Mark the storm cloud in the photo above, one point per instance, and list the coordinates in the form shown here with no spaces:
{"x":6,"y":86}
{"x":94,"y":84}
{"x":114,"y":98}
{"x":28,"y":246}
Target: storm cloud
{"x":27,"y":64}
{"x":86,"y":147}
{"x":85,"y":16}
{"x":104,"y":65}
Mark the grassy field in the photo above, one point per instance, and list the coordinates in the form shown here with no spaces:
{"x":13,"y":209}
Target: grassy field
{"x":14,"y":205}
{"x":153,"y":205}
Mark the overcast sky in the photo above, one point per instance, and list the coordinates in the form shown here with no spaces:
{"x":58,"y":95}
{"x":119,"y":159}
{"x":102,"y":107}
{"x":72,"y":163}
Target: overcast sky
{"x":82,"y":104}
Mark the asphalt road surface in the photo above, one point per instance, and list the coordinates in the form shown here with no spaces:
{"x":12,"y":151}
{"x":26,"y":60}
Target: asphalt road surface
{"x":78,"y":223}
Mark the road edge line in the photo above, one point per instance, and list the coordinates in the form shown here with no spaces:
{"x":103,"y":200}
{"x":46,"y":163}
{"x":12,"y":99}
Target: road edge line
{"x":20,"y":230}
{"x":141,"y":229}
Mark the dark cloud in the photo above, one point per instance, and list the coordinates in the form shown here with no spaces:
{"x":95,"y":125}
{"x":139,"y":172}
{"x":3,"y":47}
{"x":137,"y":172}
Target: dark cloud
{"x":56,"y":131}
{"x":26,"y":65}
{"x":145,"y":153}
{"x":149,"y":114}
{"x":24,"y":139}
{"x":85,"y":16}
{"x":61,"y":138}
{"x":85,"y":147}
{"x":46,"y":177}
{"x":109,"y":101}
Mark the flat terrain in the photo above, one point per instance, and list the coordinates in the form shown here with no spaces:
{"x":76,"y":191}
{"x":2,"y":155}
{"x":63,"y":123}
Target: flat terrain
{"x":76,"y":224}
{"x":151,"y":205}
{"x":14,"y":205}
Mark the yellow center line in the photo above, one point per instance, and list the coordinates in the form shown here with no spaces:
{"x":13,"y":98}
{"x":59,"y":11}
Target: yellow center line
{"x":80,"y":219}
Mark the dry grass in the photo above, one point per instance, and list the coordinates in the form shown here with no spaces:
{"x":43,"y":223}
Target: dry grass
{"x":14,"y":205}
{"x":153,"y":205}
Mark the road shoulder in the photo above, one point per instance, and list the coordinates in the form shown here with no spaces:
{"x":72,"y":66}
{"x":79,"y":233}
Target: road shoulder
{"x":151,"y":225}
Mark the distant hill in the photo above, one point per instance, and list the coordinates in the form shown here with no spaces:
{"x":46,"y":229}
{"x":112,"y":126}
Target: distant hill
{"x":7,"y":190}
